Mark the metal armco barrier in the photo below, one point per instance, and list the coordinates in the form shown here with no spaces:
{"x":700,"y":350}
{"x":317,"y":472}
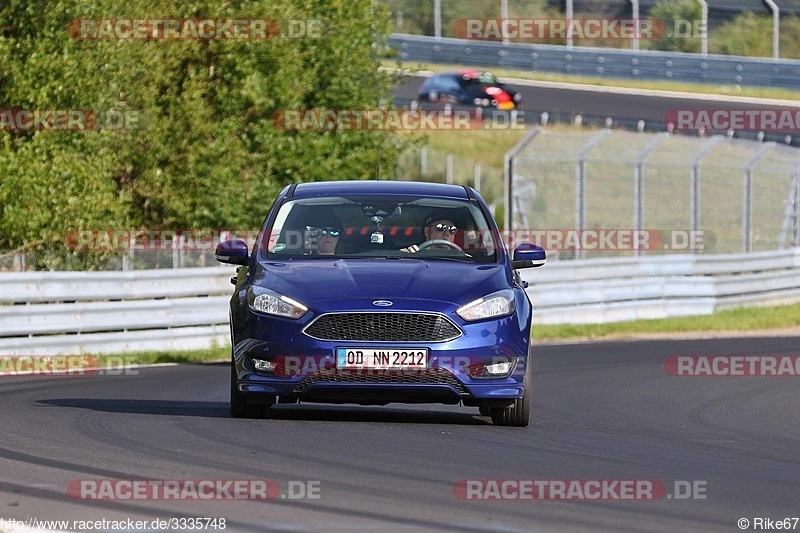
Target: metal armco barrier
{"x":601,"y":62}
{"x":615,"y":290}
{"x":52,"y":313}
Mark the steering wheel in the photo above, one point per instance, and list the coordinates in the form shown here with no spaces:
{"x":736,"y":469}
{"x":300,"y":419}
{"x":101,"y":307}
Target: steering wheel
{"x":443,"y":242}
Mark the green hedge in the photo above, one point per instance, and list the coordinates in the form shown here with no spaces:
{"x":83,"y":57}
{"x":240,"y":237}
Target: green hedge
{"x":206,"y":154}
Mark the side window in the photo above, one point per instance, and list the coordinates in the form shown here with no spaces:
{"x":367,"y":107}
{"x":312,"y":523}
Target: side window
{"x":438,"y":84}
{"x":450,"y":85}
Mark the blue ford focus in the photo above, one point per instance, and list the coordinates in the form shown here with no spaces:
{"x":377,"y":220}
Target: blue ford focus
{"x":372,"y":292}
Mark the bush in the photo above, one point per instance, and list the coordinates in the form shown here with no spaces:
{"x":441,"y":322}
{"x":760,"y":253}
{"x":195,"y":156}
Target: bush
{"x":207,"y":154}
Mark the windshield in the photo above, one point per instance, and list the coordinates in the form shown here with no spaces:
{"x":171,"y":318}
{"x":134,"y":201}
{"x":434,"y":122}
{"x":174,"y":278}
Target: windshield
{"x":381,"y":226}
{"x":484,"y":78}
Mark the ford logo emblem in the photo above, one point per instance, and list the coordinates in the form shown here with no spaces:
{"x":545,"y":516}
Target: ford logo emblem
{"x":382,"y":303}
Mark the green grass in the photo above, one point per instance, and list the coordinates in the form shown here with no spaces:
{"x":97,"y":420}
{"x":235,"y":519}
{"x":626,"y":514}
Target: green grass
{"x":740,"y":319}
{"x":216,"y":353}
{"x":653,"y":85}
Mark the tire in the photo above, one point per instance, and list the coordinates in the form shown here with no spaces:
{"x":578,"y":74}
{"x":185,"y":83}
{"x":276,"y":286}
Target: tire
{"x":519,"y":413}
{"x":240,"y":408}
{"x":485,"y":411}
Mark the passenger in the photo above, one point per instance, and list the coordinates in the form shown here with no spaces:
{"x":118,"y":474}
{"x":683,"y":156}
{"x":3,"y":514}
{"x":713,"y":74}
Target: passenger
{"x":327,"y":230}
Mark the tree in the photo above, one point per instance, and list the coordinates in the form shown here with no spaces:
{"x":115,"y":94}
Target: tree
{"x":206,"y":154}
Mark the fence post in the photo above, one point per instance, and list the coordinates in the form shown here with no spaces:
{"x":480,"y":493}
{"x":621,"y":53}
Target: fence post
{"x":423,"y":161}
{"x":789,"y":214}
{"x":448,"y":168}
{"x":477,"y":177}
{"x":796,"y":238}
{"x":638,"y":184}
{"x":508,"y":170}
{"x":694,"y":185}
{"x":437,"y":18}
{"x":704,"y":18}
{"x":747,"y":200}
{"x":580,"y":185}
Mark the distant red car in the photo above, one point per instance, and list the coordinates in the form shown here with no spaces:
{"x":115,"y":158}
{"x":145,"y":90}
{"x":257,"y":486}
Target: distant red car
{"x":470,"y":87}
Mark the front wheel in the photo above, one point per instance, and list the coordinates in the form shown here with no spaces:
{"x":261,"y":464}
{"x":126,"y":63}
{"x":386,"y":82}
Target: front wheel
{"x":517,"y":414}
{"x":240,"y":408}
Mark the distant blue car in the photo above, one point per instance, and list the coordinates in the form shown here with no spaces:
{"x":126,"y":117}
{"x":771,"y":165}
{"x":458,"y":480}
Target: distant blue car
{"x":373,"y":292}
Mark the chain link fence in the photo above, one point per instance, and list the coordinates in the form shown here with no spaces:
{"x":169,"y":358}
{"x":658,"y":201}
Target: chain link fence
{"x":595,"y":194}
{"x":423,"y":163}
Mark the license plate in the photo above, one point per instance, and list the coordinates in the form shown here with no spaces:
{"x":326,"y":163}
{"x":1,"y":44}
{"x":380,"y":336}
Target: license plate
{"x":381,"y":358}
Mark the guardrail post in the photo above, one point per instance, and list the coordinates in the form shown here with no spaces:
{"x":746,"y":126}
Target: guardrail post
{"x":477,"y":177}
{"x":423,"y":161}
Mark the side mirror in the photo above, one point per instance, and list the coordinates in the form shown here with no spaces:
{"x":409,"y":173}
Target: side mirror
{"x":232,"y":252}
{"x":528,"y":256}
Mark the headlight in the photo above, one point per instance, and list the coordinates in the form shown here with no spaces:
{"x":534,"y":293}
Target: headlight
{"x":500,"y":303}
{"x":270,"y":302}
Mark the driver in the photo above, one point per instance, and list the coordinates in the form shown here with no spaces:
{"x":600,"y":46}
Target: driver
{"x":438,"y":225}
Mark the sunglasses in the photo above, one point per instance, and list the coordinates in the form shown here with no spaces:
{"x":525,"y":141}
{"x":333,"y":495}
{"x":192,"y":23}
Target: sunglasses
{"x":444,"y":227}
{"x":319,"y":232}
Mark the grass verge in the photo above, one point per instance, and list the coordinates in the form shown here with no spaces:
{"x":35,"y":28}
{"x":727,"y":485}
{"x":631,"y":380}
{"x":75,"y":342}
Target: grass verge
{"x":733,"y":320}
{"x":216,"y":353}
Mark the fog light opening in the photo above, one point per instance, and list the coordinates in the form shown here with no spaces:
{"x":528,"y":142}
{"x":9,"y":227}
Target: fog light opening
{"x":260,"y":365}
{"x":498,"y":368}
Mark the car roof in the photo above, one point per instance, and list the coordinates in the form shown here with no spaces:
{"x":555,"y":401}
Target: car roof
{"x":457,"y":74}
{"x":398,"y":188}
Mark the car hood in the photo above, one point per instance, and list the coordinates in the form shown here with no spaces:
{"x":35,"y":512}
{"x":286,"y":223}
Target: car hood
{"x":402,"y":281}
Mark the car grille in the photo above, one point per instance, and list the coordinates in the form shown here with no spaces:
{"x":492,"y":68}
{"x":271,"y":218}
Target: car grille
{"x":426,"y":376}
{"x":383,"y":327}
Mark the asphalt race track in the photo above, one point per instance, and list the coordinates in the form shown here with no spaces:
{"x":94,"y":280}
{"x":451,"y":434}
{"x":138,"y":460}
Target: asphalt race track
{"x":606,"y":411}
{"x":592,"y":101}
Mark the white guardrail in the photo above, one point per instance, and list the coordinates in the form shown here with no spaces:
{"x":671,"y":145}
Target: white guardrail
{"x":51,"y":313}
